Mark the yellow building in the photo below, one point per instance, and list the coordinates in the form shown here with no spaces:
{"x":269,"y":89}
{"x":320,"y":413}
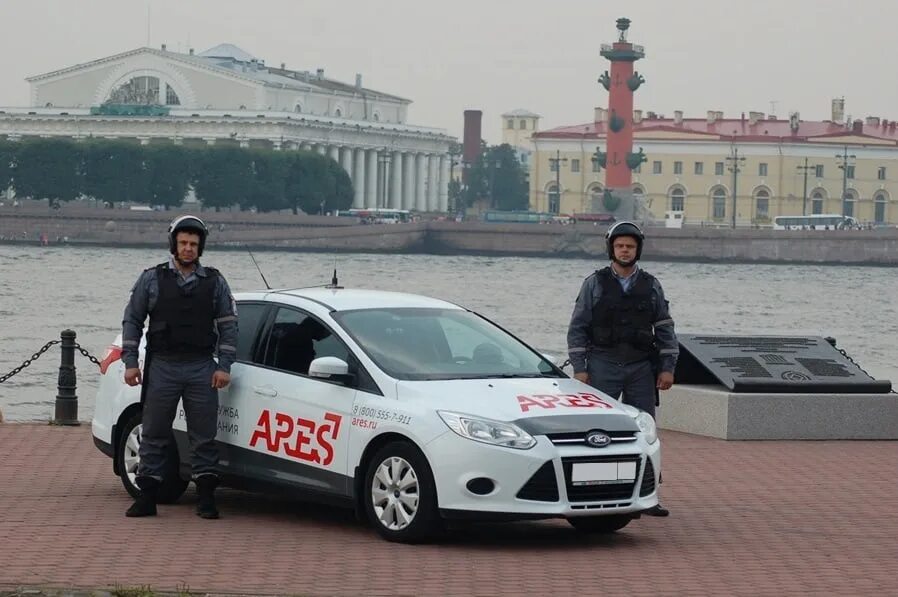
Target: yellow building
{"x":690,"y":167}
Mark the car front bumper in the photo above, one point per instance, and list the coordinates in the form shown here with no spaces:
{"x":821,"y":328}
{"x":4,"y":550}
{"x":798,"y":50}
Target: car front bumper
{"x":538,"y":483}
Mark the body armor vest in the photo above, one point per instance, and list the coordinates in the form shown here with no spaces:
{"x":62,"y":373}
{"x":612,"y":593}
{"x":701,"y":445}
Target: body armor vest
{"x":622,"y":323}
{"x":182,"y":320}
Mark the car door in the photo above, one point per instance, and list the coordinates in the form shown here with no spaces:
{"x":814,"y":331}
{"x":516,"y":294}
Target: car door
{"x":300,"y":424}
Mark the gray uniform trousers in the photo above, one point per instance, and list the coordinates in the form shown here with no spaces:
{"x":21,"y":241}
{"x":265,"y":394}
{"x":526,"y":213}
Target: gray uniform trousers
{"x":636,"y":381}
{"x":167,"y":382}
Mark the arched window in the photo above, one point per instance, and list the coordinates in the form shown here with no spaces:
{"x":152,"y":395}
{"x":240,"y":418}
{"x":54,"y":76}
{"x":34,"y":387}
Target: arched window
{"x":171,"y":98}
{"x":817,"y":202}
{"x":719,"y":203}
{"x":138,"y":91}
{"x":677,"y":199}
{"x":879,"y":208}
{"x":338,"y":113}
{"x":595,"y":193}
{"x":554,"y":198}
{"x":376,"y":117}
{"x":298,"y":108}
{"x":762,"y":204}
{"x":848,"y":202}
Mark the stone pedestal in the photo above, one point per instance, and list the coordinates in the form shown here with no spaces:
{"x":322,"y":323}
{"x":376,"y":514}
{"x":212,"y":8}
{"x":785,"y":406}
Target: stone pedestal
{"x":716,"y":412}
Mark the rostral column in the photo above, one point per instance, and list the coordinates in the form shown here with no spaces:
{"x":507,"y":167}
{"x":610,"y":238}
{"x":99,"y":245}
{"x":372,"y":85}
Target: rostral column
{"x":619,"y":160}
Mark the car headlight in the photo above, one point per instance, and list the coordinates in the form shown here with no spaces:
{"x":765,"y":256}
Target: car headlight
{"x":488,"y":431}
{"x":647,"y":426}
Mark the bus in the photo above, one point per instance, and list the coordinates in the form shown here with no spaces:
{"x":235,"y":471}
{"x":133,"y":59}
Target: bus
{"x":815,"y":222}
{"x":519,"y":217}
{"x":377,"y":215}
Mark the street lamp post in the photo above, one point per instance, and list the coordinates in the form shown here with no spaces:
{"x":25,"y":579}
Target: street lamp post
{"x":845,"y":161}
{"x":804,"y":197}
{"x":556,"y":163}
{"x":736,"y":161}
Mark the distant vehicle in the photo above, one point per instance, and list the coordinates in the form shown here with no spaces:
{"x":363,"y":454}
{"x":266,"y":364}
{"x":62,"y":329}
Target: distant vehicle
{"x":377,"y":215}
{"x":520,"y":217}
{"x":815,"y":222}
{"x":595,"y":218}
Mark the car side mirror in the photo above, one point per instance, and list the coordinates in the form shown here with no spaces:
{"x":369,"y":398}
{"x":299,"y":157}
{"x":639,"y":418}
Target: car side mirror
{"x":330,"y":368}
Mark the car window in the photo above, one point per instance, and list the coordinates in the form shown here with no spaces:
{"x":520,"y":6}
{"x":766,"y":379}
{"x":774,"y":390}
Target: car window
{"x":249,"y":318}
{"x":296,"y":339}
{"x":426,"y":344}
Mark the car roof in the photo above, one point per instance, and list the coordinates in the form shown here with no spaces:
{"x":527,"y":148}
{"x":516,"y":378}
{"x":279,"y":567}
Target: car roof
{"x":346,"y":299}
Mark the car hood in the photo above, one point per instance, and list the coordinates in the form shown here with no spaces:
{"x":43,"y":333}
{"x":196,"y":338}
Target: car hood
{"x":539,"y":406}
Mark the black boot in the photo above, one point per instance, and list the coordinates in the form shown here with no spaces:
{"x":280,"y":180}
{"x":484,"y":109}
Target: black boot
{"x":205,"y":490}
{"x":145,"y":504}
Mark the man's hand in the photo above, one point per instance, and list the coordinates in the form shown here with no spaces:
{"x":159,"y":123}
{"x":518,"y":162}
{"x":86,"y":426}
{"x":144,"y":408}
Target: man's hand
{"x":132,"y":376}
{"x":582,"y":376}
{"x":220,"y":379}
{"x":665,"y":380}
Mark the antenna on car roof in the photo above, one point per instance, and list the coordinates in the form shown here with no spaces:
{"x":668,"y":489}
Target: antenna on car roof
{"x":334,"y":282}
{"x":267,"y":287}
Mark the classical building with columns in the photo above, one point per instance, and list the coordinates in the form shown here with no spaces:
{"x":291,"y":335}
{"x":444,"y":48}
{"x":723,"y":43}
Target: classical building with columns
{"x":226,"y":96}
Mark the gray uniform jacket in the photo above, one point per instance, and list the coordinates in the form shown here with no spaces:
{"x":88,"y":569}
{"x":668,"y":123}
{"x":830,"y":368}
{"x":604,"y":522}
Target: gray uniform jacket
{"x":143,"y":299}
{"x":579,"y":331}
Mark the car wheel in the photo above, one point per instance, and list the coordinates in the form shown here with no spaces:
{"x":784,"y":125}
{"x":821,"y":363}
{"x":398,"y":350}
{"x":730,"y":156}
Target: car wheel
{"x":600,"y":524}
{"x":173,"y":486}
{"x":400,"y":495}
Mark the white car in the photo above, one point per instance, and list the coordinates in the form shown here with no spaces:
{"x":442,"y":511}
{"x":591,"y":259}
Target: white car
{"x":410,"y":409}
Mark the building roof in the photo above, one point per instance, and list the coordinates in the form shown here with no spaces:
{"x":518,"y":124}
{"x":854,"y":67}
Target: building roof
{"x":520,"y":112}
{"x":875,"y":131}
{"x":239,"y":62}
{"x":228,"y":51}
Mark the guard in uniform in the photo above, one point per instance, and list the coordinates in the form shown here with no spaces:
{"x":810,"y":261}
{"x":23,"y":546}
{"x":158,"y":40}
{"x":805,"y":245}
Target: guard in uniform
{"x":191,"y":310}
{"x":621,"y":338}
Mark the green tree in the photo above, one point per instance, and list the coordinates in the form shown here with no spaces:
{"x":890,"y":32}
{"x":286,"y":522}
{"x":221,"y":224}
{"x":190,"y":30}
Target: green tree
{"x":342,"y":192}
{"x":497,"y":175}
{"x":222,"y":176}
{"x":268,"y":191}
{"x":7,"y":161}
{"x":170,"y":174}
{"x":115,"y":171}
{"x":508,"y":181}
{"x":48,"y":169}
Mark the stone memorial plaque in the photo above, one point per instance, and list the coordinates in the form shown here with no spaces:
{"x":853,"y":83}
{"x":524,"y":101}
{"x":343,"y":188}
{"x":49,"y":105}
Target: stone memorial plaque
{"x":772,"y":364}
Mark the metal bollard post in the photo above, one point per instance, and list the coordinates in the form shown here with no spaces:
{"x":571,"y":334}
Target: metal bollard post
{"x":66,"y":399}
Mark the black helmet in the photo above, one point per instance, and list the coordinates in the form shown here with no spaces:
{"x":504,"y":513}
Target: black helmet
{"x":624,"y":228}
{"x":186,"y":223}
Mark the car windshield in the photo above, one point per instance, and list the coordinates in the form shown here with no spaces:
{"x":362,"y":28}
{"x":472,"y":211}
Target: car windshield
{"x":429,"y":344}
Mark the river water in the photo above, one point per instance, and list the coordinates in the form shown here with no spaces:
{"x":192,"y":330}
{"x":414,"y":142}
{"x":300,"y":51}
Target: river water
{"x":45,"y":290}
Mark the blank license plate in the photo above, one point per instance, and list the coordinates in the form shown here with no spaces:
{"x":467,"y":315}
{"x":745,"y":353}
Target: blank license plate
{"x":602,"y":473}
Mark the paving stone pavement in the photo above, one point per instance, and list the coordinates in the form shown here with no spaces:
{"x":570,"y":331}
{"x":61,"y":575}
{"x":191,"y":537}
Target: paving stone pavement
{"x":749,"y":518}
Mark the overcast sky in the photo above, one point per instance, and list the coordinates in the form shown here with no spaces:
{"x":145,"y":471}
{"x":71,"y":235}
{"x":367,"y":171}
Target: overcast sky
{"x":497,"y":55}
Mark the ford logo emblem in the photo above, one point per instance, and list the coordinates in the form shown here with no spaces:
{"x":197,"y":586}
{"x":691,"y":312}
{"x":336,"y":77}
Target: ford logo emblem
{"x":598,"y":439}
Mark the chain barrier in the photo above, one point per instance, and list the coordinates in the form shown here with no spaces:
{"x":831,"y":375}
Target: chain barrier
{"x":40,"y":352}
{"x":853,"y":362}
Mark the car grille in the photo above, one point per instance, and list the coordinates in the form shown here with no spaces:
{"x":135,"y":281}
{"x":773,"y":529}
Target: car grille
{"x":597,"y":493}
{"x":542,"y":486}
{"x":648,"y":479}
{"x":579,"y":437}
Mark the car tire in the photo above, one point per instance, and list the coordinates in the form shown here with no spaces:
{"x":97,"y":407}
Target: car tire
{"x":601,"y":525}
{"x":399,"y":494}
{"x":173,"y":486}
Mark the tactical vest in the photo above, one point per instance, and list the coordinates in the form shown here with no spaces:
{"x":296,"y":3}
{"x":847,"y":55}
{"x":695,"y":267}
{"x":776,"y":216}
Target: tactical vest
{"x":622,"y":323}
{"x":182,"y":320}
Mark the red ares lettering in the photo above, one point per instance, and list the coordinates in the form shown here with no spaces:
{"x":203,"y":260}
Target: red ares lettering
{"x":303,"y":431}
{"x":549,"y":401}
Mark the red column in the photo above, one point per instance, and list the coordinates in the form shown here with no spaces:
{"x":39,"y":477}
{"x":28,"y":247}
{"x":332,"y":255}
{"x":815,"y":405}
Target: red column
{"x":620,"y":105}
